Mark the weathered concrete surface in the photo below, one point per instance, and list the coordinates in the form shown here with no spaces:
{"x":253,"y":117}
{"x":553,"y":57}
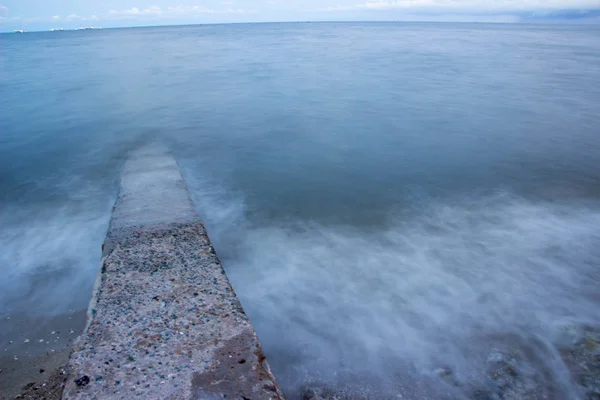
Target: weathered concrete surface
{"x":165,"y":322}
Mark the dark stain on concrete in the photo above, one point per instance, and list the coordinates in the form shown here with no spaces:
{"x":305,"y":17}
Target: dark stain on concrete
{"x":243,"y":358}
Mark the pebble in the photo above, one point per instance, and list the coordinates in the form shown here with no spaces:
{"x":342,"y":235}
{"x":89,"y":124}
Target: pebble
{"x":41,"y":340}
{"x":26,"y":341}
{"x":83,"y":381}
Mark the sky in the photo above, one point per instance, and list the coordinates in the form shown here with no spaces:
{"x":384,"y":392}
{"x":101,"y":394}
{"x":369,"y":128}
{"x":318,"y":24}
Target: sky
{"x":47,"y":14}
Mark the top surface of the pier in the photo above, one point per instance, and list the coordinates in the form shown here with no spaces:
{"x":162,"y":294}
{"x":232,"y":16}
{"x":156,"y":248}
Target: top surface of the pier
{"x":165,"y":322}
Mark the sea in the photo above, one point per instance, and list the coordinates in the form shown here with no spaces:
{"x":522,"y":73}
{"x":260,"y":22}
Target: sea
{"x":397,"y":205}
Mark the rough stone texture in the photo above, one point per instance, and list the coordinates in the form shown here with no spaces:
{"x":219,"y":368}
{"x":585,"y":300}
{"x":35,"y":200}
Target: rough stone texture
{"x":49,"y":388}
{"x":583,"y":360}
{"x":165,"y":322}
{"x":319,"y":393}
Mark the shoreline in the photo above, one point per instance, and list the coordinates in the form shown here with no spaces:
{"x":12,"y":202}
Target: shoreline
{"x":36,"y":378}
{"x":46,"y":347}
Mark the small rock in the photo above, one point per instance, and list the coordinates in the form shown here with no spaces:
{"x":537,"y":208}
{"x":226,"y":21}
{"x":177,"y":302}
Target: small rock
{"x":42,"y":370}
{"x":83,"y":381}
{"x":495,"y":356}
{"x":26,"y":341}
{"x":447,"y":375}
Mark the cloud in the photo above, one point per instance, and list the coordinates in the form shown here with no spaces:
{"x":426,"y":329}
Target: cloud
{"x":153,"y":13}
{"x":3,"y":10}
{"x":174,"y":11}
{"x":75,"y":17}
{"x":152,"y":10}
{"x":468,"y":6}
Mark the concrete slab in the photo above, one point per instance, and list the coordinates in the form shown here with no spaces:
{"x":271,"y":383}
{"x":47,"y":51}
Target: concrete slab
{"x":165,"y":322}
{"x":152,"y":191}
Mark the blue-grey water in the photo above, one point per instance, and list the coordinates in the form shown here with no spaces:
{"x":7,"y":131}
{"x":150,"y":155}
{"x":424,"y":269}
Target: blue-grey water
{"x":388,"y":199}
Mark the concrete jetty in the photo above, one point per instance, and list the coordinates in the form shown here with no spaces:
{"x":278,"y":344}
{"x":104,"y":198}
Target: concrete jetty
{"x":164,"y":322}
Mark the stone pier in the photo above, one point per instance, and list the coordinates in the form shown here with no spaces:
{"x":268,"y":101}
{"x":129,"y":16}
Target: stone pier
{"x":164,"y":322}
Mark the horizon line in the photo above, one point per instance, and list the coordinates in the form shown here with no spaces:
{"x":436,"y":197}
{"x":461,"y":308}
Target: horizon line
{"x":99,"y":27}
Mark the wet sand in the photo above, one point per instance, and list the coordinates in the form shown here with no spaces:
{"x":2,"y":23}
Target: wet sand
{"x":39,"y":357}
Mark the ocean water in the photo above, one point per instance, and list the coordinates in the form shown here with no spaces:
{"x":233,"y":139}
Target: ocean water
{"x":390,"y":200}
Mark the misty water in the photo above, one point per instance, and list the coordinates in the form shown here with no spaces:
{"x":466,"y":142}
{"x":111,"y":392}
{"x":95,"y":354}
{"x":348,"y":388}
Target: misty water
{"x":395,"y":204}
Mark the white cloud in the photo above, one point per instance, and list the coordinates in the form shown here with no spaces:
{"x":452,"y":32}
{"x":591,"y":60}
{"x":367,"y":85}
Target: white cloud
{"x":75,"y":17}
{"x":3,"y":10}
{"x":467,"y":5}
{"x":174,"y":11}
{"x":152,"y":10}
{"x":132,"y":11}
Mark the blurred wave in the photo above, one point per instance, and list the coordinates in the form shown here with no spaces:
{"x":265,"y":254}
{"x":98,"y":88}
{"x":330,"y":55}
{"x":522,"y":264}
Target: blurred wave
{"x":379,"y":312}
